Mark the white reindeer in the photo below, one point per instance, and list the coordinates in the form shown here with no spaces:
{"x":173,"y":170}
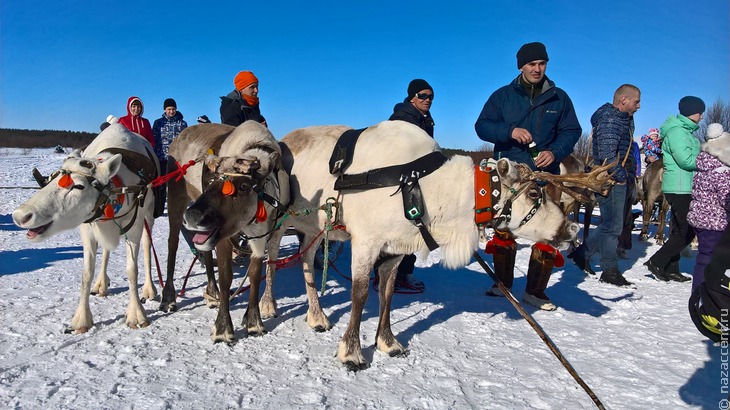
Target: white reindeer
{"x":83,"y":194}
{"x":375,"y":222}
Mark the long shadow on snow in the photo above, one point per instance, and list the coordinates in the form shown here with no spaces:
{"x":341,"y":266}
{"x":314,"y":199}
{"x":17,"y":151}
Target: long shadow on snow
{"x":710,"y":378}
{"x":25,"y":260}
{"x":7,"y":224}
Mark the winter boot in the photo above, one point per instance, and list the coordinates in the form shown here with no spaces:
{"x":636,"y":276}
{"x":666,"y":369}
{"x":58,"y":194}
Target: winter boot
{"x":673,"y":272}
{"x":538,"y":276}
{"x":614,"y":277}
{"x":504,"y":250}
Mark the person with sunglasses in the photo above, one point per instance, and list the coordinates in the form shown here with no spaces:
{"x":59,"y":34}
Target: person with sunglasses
{"x":531,"y":109}
{"x":415,"y":109}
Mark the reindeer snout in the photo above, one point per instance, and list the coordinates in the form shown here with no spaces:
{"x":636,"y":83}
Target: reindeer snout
{"x":22,"y":218}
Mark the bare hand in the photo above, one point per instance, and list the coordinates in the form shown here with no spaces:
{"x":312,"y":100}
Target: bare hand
{"x":521,"y":135}
{"x":544,"y":159}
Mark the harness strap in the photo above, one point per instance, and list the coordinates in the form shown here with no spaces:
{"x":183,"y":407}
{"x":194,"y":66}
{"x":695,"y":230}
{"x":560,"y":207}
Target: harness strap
{"x":344,"y":150}
{"x":392,"y":175}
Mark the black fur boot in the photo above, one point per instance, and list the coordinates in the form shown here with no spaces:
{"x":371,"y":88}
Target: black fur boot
{"x":504,"y":264}
{"x":538,"y":276}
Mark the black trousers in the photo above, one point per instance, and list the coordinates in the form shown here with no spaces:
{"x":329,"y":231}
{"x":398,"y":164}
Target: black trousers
{"x":680,"y":235}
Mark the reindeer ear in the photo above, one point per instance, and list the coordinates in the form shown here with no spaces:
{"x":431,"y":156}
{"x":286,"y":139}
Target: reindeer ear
{"x":212,"y":161}
{"x":108,"y":168}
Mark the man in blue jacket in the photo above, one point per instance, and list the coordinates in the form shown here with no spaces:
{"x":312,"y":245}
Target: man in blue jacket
{"x":613,"y":131}
{"x":531,"y":108}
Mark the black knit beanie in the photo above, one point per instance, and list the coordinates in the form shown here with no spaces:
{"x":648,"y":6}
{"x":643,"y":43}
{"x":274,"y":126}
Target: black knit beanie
{"x":415,"y":86}
{"x":531,"y":52}
{"x":690,"y":105}
{"x":169,"y":103}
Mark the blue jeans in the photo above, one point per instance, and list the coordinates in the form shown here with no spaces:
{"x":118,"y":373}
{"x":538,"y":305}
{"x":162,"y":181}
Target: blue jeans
{"x":604,"y":239}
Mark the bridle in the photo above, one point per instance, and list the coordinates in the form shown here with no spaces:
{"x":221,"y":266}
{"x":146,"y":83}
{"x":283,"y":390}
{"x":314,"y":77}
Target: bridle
{"x":488,"y":192}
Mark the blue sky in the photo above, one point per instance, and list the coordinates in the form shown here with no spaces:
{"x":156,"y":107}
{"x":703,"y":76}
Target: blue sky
{"x":67,"y":65}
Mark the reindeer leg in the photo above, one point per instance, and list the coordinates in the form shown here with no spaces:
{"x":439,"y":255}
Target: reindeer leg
{"x":223,"y":326}
{"x":316,"y":318}
{"x":82,"y":320}
{"x":252,"y":318}
{"x":385,"y":340}
{"x":101,"y":286}
{"x":149,"y":291}
{"x":176,"y":202}
{"x":267,"y":304}
{"x":349,"y":352}
{"x":211,"y":295}
{"x":136,"y":316}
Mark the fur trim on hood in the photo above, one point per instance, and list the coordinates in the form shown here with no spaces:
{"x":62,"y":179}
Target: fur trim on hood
{"x":718,"y":143}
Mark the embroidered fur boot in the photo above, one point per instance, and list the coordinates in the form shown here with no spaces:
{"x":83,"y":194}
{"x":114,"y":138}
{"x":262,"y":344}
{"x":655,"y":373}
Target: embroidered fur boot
{"x":504,"y":250}
{"x":538,"y":276}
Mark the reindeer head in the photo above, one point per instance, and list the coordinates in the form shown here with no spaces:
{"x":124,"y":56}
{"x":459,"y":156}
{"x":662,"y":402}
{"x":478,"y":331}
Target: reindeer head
{"x":229,"y":201}
{"x":70,"y":198}
{"x":527,"y":211}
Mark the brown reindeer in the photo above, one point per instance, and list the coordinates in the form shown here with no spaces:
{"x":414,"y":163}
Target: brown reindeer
{"x":651,"y":194}
{"x":239,"y":190}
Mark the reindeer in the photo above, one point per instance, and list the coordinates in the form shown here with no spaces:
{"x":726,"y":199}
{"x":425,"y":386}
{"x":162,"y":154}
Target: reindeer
{"x":373,"y":219}
{"x":104,"y":191}
{"x":241,"y":189}
{"x":651,"y":194}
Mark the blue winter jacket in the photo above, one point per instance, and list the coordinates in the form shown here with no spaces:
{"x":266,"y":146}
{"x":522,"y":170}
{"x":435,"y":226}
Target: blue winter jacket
{"x":165,"y":130}
{"x":550,"y":118}
{"x":613,"y":132}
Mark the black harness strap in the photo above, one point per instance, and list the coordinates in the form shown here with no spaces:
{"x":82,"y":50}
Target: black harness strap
{"x":393,"y":175}
{"x":344,"y":151}
{"x":142,"y":166}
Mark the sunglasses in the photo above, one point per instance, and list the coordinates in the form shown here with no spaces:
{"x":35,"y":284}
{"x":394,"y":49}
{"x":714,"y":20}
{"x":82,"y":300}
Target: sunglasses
{"x":424,"y":96}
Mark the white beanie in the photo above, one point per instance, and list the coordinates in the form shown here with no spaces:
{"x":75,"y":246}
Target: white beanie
{"x":111,"y":119}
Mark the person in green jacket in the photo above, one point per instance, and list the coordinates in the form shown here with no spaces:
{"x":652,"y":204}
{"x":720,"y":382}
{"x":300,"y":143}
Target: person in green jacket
{"x":680,"y":150}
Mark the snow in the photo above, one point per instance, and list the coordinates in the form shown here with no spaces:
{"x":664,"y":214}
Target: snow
{"x":636,"y":348}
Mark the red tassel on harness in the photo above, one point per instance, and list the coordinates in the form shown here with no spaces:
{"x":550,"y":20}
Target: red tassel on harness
{"x":558,"y":260}
{"x":491,"y":247}
{"x":65,"y":181}
{"x":109,"y":210}
{"x":261,"y":214}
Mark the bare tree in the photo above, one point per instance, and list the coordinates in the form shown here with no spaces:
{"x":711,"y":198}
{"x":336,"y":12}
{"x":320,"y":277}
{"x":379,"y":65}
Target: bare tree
{"x":582,"y":148}
{"x":718,"y":112}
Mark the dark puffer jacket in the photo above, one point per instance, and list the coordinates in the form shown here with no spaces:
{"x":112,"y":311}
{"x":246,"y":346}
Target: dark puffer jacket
{"x":165,"y":130}
{"x":613,"y":132}
{"x":235,"y":110}
{"x":405,"y":111}
{"x":550,"y":118}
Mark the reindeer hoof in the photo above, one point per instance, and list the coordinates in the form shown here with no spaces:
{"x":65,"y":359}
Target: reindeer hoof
{"x":401,"y":353}
{"x":168,"y":307}
{"x":320,"y":329}
{"x":355,"y":367}
{"x":69,"y":330}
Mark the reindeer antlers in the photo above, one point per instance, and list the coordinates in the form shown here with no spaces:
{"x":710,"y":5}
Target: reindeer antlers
{"x":597,"y":180}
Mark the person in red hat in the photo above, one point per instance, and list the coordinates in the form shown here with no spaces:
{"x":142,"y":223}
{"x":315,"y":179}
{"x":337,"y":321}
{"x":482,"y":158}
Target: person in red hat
{"x":242,"y":104}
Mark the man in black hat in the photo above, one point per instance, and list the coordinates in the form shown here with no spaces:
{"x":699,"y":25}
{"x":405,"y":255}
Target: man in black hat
{"x":416,"y":109}
{"x":529,"y":109}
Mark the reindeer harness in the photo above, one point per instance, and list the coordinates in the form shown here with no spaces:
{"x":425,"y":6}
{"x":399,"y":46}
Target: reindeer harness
{"x":488,"y":192}
{"x":404,"y":176}
{"x":112,"y":195}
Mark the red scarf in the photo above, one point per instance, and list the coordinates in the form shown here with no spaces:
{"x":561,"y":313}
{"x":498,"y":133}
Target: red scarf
{"x":251,"y":100}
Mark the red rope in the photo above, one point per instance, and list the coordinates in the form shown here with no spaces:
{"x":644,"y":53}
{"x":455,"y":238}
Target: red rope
{"x":157,"y":263}
{"x":178,"y":174}
{"x":289,"y":261}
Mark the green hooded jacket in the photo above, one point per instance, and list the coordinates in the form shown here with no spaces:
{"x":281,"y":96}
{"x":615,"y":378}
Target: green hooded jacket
{"x":680,"y":150}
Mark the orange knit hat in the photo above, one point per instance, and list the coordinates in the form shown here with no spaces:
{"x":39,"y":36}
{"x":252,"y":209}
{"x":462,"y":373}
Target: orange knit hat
{"x":243,"y":79}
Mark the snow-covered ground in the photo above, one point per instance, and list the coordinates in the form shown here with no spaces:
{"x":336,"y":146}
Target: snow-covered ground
{"x":636,"y":348}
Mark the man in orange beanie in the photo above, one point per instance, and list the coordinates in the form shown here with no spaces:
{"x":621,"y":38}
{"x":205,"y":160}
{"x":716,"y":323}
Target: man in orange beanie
{"x":242,"y":104}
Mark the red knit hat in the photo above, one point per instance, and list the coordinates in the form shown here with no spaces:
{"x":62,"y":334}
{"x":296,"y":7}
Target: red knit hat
{"x":243,"y":79}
